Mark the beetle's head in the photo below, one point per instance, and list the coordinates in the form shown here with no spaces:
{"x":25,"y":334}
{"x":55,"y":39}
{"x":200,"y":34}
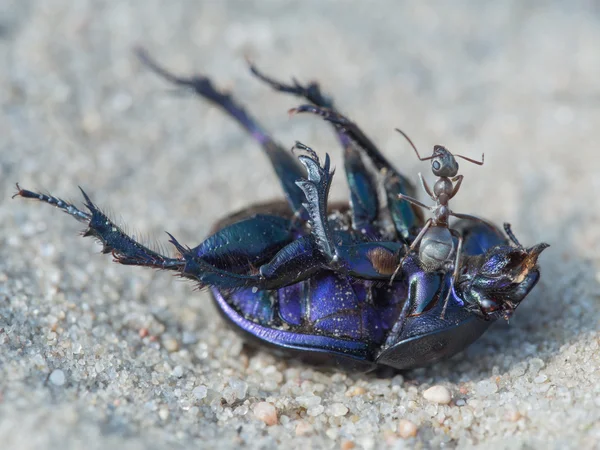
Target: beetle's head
{"x":493,"y":284}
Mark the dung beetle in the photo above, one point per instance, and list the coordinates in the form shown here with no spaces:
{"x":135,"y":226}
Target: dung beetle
{"x":314,"y":280}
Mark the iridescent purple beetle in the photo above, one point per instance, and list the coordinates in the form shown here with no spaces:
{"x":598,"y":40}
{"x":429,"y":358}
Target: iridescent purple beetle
{"x":315,"y":280}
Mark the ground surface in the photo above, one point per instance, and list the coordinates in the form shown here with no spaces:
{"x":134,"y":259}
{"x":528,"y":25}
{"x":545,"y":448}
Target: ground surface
{"x":517,"y":82}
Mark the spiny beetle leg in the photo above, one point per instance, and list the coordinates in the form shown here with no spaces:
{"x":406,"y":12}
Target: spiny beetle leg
{"x":371,"y":260}
{"x":363,"y":191}
{"x":284,"y":164}
{"x":407,"y":220}
{"x":124,"y":248}
{"x":188,"y":264}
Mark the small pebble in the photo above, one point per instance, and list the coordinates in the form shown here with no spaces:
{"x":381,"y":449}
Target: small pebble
{"x":407,"y":429}
{"x":200,"y":392}
{"x":170,"y":344}
{"x":513,"y":416}
{"x":303,"y":428}
{"x":438,"y":394}
{"x":355,"y":390}
{"x":163,"y":413}
{"x":266,"y":412}
{"x":315,"y":411}
{"x":57,"y":377}
{"x":338,"y":410}
{"x":541,"y":378}
{"x":486,"y":387}
{"x":347,"y":445}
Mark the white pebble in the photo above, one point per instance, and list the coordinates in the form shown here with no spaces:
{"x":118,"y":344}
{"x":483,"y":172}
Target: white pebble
{"x":57,"y":377}
{"x":438,"y":394}
{"x":486,"y":387}
{"x":308,"y":400}
{"x":266,"y":412}
{"x":178,"y":372}
{"x":200,"y":392}
{"x":315,"y":411}
{"x":338,"y":410}
{"x":163,"y":413}
{"x":541,"y":378}
{"x":407,"y":429}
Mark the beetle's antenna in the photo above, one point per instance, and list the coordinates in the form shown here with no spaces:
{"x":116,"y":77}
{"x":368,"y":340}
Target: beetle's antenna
{"x":479,"y":163}
{"x":413,"y":145}
{"x":509,"y":232}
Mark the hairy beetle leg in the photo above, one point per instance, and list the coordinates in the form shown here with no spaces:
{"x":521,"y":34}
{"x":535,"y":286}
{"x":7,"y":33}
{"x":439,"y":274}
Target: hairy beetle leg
{"x":407,"y":220}
{"x":124,"y":248}
{"x":284,"y":164}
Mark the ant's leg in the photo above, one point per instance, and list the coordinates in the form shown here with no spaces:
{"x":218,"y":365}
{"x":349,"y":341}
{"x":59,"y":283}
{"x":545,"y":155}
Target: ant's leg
{"x":426,"y":188}
{"x":414,"y":201}
{"x":455,"y":271}
{"x":458,"y":180}
{"x":406,"y":219}
{"x":412,"y":247}
{"x":284,"y":164}
{"x":362,"y":184}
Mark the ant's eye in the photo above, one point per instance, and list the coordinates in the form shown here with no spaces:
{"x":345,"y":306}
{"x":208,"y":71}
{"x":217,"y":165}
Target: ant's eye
{"x":436,"y":165}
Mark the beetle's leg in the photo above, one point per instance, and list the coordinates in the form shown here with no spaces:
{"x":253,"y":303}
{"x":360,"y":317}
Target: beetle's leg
{"x":406,"y":219}
{"x":198,"y":264}
{"x":316,"y":189}
{"x":247,"y":243}
{"x":362,"y":184}
{"x":311,"y":92}
{"x":124,"y":248}
{"x":412,"y":247}
{"x":455,"y":270}
{"x":284,"y":164}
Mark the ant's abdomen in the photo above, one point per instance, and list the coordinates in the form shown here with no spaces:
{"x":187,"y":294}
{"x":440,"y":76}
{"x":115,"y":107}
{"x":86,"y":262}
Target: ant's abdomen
{"x":436,"y":248}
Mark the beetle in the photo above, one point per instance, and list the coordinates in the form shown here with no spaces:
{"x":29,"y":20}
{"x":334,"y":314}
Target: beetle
{"x":314,"y":280}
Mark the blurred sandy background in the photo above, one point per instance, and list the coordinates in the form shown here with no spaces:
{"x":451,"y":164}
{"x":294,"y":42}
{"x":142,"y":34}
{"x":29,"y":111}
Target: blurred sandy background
{"x":516,"y":80}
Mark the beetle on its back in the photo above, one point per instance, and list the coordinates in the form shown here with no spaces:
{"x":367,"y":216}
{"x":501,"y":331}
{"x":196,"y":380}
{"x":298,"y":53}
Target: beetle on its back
{"x":314,"y":279}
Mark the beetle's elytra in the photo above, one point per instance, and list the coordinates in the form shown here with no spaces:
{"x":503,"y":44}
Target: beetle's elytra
{"x":343,"y":284}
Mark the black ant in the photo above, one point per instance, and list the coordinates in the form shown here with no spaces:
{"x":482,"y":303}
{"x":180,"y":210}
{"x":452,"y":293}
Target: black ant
{"x":436,"y":238}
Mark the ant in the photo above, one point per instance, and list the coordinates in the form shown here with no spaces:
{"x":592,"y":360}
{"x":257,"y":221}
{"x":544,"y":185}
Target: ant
{"x":436,"y":238}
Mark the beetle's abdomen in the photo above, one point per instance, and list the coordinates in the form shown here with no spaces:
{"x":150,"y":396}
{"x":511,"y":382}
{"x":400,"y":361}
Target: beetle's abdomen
{"x":325,"y":305}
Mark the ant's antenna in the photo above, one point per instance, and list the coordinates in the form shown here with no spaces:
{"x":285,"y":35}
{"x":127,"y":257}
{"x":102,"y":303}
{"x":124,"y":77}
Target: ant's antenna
{"x":479,"y":163}
{"x":413,"y":145}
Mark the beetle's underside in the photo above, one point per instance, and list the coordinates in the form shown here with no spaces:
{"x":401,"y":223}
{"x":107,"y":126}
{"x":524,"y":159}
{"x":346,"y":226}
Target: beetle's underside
{"x":314,"y":279}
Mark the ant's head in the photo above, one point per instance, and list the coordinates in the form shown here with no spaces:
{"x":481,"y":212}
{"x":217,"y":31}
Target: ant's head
{"x":443,"y":163}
